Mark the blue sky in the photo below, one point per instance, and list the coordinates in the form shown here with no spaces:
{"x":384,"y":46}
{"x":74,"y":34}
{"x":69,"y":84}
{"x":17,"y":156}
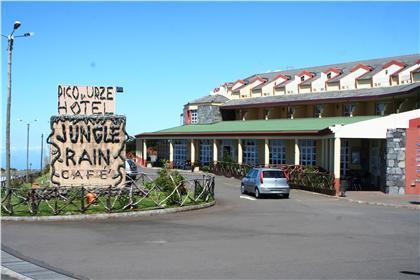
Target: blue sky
{"x":166,"y":53}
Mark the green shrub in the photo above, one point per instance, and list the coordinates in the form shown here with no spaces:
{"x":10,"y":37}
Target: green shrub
{"x":168,"y":184}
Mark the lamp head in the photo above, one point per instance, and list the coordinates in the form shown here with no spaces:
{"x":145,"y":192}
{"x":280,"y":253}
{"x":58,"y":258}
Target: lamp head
{"x":16,"y":25}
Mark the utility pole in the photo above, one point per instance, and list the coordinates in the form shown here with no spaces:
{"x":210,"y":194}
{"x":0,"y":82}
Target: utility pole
{"x":42,"y":150}
{"x":10,"y":40}
{"x":28,"y":124}
{"x":9,"y":101}
{"x":27,"y":152}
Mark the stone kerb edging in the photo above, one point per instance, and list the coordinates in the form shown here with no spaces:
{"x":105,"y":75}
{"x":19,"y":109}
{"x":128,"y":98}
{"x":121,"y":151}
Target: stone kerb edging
{"x":97,"y":217}
{"x":413,"y":207}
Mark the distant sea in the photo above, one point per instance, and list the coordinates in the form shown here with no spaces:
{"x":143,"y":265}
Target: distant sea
{"x":18,"y":159}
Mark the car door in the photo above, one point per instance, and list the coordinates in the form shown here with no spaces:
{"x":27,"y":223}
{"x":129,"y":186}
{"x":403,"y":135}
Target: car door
{"x":248,"y":179}
{"x":253,"y":181}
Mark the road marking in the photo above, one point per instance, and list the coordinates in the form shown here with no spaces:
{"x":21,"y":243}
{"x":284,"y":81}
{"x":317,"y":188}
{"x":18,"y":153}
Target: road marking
{"x":156,"y":242}
{"x":247,"y":197}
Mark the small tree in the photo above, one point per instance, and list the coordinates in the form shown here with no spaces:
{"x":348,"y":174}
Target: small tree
{"x":168,"y":180}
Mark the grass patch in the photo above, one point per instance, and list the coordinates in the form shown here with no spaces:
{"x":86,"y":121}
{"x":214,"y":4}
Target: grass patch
{"x":75,"y":202}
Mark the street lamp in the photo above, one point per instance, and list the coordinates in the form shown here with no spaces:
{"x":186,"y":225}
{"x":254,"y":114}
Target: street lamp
{"x":10,"y":39}
{"x":28,"y":124}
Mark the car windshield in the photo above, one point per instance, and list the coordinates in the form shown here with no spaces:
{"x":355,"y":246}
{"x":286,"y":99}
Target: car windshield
{"x":132,"y":164}
{"x":273,"y":174}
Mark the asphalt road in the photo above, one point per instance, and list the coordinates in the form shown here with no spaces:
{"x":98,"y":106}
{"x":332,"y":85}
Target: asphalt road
{"x":307,"y":236}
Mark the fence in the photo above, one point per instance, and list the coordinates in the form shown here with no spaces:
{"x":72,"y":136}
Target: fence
{"x":137,"y":194}
{"x":298,"y":176}
{"x":20,"y":178}
{"x":229,"y":169}
{"x":310,"y":179}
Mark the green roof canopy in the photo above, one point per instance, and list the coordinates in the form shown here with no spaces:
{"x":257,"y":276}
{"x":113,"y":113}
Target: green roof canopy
{"x":276,"y":126}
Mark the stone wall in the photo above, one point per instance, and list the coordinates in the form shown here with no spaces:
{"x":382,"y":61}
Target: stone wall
{"x":395,"y":161}
{"x":208,"y":114}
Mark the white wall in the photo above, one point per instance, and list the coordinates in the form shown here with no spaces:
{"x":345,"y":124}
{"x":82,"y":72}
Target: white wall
{"x":268,"y":88}
{"x":381,"y":79}
{"x":405,"y":75}
{"x":236,"y":85}
{"x":319,"y":84}
{"x":349,"y":81}
{"x":375,"y":128}
{"x":246,"y":90}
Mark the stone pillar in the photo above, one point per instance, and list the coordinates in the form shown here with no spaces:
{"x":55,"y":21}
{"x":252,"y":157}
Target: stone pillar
{"x":395,"y":161}
{"x":192,"y":150}
{"x":215,"y":150}
{"x":239,"y":151}
{"x":145,"y":152}
{"x":337,"y":158}
{"x":266,"y":153}
{"x":171,"y":152}
{"x":297,"y":152}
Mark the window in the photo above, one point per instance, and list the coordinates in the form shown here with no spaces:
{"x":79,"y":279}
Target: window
{"x":250,"y":173}
{"x":194,"y":117}
{"x":307,"y":152}
{"x":206,"y":152}
{"x":329,"y":76}
{"x":226,"y":151}
{"x":290,"y":112}
{"x":180,"y":153}
{"x":250,"y":152}
{"x":277,"y":152}
{"x":318,"y":110}
{"x":386,"y":71}
{"x":380,"y":109}
{"x":302,"y":78}
{"x":344,"y":161}
{"x":348,"y":110}
{"x":273,"y":174}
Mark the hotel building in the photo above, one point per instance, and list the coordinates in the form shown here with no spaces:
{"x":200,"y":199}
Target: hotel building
{"x":351,"y":119}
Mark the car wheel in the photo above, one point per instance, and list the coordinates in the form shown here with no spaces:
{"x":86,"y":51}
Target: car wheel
{"x":257,"y":193}
{"x":286,"y":195}
{"x":242,"y":189}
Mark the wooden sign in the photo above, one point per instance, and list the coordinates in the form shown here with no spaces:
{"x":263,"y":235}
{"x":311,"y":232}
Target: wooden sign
{"x":86,"y":100}
{"x":87,"y":150}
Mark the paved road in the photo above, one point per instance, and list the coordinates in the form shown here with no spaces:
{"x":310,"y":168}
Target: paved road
{"x":306,"y":236}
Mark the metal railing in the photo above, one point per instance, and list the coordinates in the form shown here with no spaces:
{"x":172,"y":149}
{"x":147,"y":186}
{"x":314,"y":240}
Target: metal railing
{"x":136,"y":194}
{"x":229,"y":169}
{"x":307,"y":178}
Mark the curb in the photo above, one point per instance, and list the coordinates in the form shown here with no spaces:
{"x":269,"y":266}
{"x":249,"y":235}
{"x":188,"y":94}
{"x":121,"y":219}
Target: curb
{"x":413,"y":207}
{"x":13,"y":274}
{"x":97,"y":217}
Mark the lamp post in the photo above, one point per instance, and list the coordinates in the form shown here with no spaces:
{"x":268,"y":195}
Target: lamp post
{"x":42,"y":151}
{"x":10,"y":40}
{"x":28,"y":124}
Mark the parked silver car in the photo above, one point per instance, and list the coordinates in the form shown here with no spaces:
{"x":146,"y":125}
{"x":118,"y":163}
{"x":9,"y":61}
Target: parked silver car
{"x":261,"y":181}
